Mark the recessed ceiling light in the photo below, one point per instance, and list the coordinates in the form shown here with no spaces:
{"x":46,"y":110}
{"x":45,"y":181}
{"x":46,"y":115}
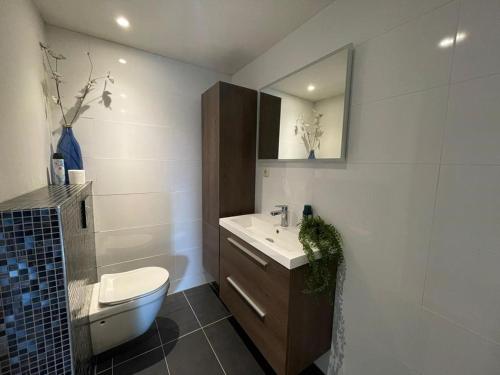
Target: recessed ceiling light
{"x":123,"y":95}
{"x":122,"y":61}
{"x":123,"y":22}
{"x":311,"y":88}
{"x":446,"y":42}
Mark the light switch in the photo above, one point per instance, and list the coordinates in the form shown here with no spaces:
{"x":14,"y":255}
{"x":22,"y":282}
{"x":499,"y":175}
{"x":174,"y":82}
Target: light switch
{"x":266,"y":172}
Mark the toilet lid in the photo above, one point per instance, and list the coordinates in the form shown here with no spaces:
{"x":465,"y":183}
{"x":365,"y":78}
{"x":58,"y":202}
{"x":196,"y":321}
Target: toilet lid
{"x":120,"y":287}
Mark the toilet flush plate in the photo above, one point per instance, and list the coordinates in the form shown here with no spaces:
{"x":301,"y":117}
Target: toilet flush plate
{"x":124,"y":286}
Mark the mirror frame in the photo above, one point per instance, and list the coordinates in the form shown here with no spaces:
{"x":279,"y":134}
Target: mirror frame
{"x":347,"y":105}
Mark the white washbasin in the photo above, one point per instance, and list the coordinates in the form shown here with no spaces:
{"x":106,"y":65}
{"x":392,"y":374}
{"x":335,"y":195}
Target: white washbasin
{"x":265,"y":234}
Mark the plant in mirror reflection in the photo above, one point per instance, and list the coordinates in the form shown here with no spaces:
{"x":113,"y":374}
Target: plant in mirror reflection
{"x":310,"y":132}
{"x":52,"y":63}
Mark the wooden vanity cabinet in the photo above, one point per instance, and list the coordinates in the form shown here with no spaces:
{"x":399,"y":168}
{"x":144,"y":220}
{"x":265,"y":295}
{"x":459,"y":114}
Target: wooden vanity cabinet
{"x":229,"y":126}
{"x":291,"y":329}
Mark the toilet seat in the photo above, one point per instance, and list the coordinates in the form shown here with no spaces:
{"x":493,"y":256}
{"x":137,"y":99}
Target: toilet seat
{"x":116,"y":288}
{"x":151,"y":283}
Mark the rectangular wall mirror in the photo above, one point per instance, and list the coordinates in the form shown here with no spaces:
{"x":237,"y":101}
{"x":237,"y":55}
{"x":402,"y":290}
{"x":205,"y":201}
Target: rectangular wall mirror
{"x":305,"y":114}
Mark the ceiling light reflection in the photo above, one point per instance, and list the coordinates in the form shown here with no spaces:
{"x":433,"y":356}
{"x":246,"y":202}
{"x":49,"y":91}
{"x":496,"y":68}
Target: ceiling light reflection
{"x":446,"y":42}
{"x":461,"y":35}
{"x":450,"y":40}
{"x":122,"y":22}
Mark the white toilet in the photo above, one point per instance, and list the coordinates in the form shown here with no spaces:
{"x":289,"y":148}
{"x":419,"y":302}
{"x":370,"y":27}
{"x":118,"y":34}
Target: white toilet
{"x":124,"y":305}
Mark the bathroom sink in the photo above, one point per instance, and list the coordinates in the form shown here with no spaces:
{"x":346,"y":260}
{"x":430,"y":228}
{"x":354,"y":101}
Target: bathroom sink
{"x":265,"y":234}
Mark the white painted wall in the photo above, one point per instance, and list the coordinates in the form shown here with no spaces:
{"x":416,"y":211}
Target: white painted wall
{"x":332,"y":121}
{"x":417,"y":200}
{"x":144,"y":155}
{"x":24,"y":134}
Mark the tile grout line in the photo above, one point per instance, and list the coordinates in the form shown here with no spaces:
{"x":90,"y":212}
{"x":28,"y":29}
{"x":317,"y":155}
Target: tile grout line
{"x":217,"y":321}
{"x":161,"y":344}
{"x":206,"y":337}
{"x":197,"y":329}
{"x":445,"y":131}
{"x":168,"y":342}
{"x":459,"y":325}
{"x":182,"y":336}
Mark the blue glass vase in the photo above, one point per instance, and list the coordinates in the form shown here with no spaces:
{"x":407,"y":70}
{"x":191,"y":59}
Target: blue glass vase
{"x":70,"y":149}
{"x":312,"y":155}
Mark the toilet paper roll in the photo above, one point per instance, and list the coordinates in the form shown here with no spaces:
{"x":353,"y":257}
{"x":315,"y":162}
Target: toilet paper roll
{"x":76,"y":176}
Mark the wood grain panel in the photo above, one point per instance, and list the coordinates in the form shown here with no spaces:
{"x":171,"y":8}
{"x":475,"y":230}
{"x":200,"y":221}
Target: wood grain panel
{"x":296,"y":328}
{"x":268,"y":288}
{"x":228,"y":161}
{"x":237,"y":150}
{"x":310,"y":319}
{"x":269,"y":126}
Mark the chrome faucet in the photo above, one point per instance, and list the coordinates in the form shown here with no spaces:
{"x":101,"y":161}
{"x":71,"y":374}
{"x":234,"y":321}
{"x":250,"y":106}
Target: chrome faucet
{"x":284,"y":214}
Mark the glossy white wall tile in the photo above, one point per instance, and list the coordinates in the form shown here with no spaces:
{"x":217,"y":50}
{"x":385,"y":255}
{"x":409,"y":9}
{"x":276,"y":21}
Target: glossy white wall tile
{"x":384,"y":329}
{"x":478,"y":53}
{"x":462,"y":281}
{"x":347,"y":21}
{"x":417,"y":199}
{"x":187,"y":263}
{"x":416,"y":62}
{"x":451,"y":349}
{"x":403,"y":129}
{"x":387,"y":230}
{"x":144,"y":155}
{"x":122,"y":211}
{"x":473,"y":130}
{"x":163,"y":260}
{"x":121,"y":245}
{"x":120,"y":176}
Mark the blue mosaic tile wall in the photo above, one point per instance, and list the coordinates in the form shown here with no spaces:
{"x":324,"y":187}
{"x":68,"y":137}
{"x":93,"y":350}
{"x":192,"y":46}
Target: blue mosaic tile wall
{"x":37,"y":335}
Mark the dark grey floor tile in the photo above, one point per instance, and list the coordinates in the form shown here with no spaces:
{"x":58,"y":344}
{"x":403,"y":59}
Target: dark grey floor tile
{"x":172,"y":303}
{"x":191,"y":355}
{"x":175,"y":318}
{"x":103,"y":361}
{"x":147,"y":341}
{"x":234,"y":355}
{"x":206,"y":305}
{"x":150,"y":363}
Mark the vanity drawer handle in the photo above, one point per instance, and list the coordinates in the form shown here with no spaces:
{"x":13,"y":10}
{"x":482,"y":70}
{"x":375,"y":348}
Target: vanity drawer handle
{"x":254,"y":257}
{"x":247,"y":299}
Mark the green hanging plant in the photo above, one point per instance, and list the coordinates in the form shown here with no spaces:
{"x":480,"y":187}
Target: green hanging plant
{"x":322,"y":273}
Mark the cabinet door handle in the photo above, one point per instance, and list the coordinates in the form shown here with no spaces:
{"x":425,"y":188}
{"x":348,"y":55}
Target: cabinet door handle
{"x":247,"y":299}
{"x":247,"y":252}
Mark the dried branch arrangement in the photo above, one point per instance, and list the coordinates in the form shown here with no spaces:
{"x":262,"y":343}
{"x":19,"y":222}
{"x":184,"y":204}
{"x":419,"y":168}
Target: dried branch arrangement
{"x":52,"y":62}
{"x":310,"y":132}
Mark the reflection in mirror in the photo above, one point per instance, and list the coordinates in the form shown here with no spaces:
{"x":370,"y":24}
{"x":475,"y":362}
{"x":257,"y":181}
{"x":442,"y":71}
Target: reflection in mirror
{"x":304,"y":115}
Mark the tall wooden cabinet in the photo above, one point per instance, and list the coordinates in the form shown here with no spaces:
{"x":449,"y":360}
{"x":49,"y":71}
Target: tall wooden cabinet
{"x":229,"y":123}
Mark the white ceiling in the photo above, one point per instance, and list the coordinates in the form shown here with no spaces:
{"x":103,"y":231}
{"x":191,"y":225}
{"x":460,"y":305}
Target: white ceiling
{"x":327,"y":76}
{"x":223,"y":35}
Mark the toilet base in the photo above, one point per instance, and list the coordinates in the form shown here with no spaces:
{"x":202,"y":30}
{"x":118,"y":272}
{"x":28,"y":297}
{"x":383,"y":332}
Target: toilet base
{"x":115,"y":325}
